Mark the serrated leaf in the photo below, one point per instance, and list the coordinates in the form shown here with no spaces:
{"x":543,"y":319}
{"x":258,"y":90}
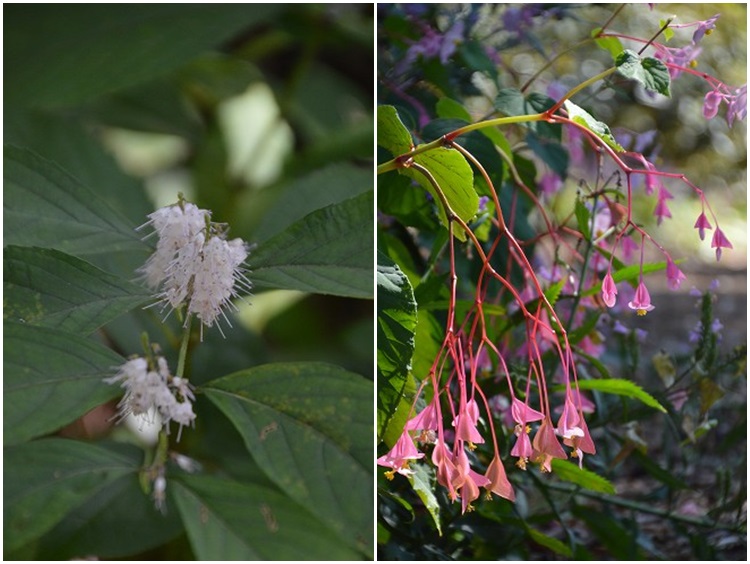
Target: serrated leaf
{"x":456,"y":180}
{"x":44,"y":206}
{"x":600,"y":129}
{"x":309,"y":427}
{"x":50,"y":379}
{"x":583,"y":217}
{"x":570,"y":472}
{"x":621,"y":388}
{"x":49,"y":288}
{"x":228,"y":520}
{"x":392,"y":134}
{"x":329,"y":251}
{"x":553,"y":544}
{"x":45,"y":479}
{"x":422,"y":482}
{"x":397,"y":322}
{"x":553,"y":292}
{"x":651,"y":73}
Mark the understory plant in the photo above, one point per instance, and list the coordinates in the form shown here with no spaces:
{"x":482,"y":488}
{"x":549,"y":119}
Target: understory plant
{"x":188,"y":282}
{"x":518,"y":241}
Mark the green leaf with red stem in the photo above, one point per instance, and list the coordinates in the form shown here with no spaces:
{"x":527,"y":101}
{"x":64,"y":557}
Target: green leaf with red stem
{"x":392,"y":134}
{"x":598,"y":128}
{"x":611,"y":44}
{"x":651,"y":73}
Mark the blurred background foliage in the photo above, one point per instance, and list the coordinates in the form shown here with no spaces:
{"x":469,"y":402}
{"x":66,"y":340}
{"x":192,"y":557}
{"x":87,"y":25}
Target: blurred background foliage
{"x":680,"y":477}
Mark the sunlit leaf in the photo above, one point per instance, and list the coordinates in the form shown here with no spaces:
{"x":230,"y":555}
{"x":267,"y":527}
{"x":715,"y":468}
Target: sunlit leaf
{"x":397,"y":322}
{"x":392,"y":135}
{"x":622,"y":388}
{"x":651,"y":73}
{"x":422,"y":481}
{"x":569,"y":472}
{"x":599,"y":128}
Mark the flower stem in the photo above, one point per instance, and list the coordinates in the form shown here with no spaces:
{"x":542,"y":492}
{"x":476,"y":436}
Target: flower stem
{"x":184,"y":348}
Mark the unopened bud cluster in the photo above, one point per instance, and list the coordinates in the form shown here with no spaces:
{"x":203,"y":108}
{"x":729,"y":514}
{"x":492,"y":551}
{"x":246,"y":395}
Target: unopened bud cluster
{"x":194,"y":265}
{"x":152,"y":389}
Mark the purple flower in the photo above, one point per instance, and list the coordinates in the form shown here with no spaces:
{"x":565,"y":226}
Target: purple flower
{"x":701,"y":224}
{"x":711,"y":104}
{"x":705,"y":28}
{"x":737,"y":106}
{"x":680,"y":57}
{"x":674,"y":275}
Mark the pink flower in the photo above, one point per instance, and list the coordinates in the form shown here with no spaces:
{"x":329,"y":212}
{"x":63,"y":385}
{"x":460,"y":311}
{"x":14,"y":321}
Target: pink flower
{"x":546,"y":446}
{"x":609,"y":290}
{"x":674,"y":275}
{"x":641,"y":303}
{"x":720,"y":241}
{"x":522,"y":449}
{"x":705,"y":28}
{"x":523,"y":414}
{"x":550,"y":183}
{"x":701,"y":224}
{"x":568,"y":424}
{"x":498,"y":481}
{"x":399,"y":456}
{"x":662,"y":210}
{"x":426,"y":419}
{"x":737,"y":105}
{"x":711,"y":104}
{"x":466,"y":424}
{"x":447,"y":472}
{"x":581,"y":443}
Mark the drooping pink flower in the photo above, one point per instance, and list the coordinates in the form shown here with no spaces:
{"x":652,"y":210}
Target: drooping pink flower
{"x":737,"y":105}
{"x":399,"y":456}
{"x":522,"y":449}
{"x":466,"y":423}
{"x":498,"y":481}
{"x":662,"y":209}
{"x":581,"y":443}
{"x":720,"y":241}
{"x":609,"y":290}
{"x":425,"y":420}
{"x":674,"y":275}
{"x":546,"y":446}
{"x":701,"y":224}
{"x":568,"y":426}
{"x":447,"y":472}
{"x":523,"y":413}
{"x":641,"y":303}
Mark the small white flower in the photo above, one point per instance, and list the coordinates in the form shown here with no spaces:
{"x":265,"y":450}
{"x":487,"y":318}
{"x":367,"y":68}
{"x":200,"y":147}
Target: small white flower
{"x":194,"y":265}
{"x":147,"y":390}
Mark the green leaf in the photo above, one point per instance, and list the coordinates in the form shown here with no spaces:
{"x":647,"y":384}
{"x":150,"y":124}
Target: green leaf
{"x":329,"y":251}
{"x":309,"y":427}
{"x":512,"y":102}
{"x":46,"y":479}
{"x":51,"y":289}
{"x":303,"y":195}
{"x":552,"y":293}
{"x":50,"y":379}
{"x":549,"y":542}
{"x":552,"y":153}
{"x":422,"y":481}
{"x":456,"y":180}
{"x":228,"y":520}
{"x":392,"y":134}
{"x":46,"y":207}
{"x":622,"y":388}
{"x":668,"y":31}
{"x":611,"y":44}
{"x":569,"y":472}
{"x":63,"y":55}
{"x":651,"y":73}
{"x":600,"y":129}
{"x":96,"y":526}
{"x":397,"y":323}
{"x":583,"y":217}
{"x":447,"y":108}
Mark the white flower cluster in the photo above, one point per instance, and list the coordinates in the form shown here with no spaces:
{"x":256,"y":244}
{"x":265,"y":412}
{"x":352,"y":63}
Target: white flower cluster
{"x":194,"y":264}
{"x":147,"y":389}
